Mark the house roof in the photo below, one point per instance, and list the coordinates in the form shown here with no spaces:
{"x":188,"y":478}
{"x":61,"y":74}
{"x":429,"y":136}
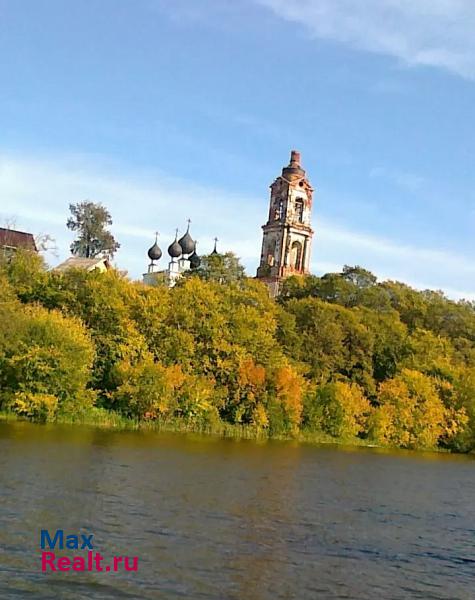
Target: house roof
{"x":17,"y":239}
{"x":78,"y":262}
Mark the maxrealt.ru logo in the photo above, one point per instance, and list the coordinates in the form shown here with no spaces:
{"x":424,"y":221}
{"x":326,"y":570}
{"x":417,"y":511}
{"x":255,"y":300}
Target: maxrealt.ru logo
{"x":92,"y":561}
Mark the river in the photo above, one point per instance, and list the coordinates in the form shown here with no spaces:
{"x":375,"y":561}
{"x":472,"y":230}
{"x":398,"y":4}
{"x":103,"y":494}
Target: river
{"x":223,"y":519}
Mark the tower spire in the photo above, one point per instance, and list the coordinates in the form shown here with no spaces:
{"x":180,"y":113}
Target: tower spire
{"x":294,"y":158}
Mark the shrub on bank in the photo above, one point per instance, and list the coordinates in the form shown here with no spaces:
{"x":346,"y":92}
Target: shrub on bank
{"x":46,"y":365}
{"x":338,"y":408}
{"x":35,"y":407}
{"x":410,"y":413}
{"x":151,"y":391}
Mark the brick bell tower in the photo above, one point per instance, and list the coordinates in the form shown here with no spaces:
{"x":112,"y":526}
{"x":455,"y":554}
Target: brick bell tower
{"x":287,"y":235}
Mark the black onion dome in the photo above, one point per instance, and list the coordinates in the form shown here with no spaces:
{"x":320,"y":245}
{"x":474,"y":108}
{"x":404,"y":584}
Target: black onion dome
{"x":186,"y":242}
{"x":195,"y":261}
{"x":174,"y":249}
{"x":154,"y":253}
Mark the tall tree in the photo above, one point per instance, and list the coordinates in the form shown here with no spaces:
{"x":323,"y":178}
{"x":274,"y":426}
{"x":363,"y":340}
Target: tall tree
{"x":221,"y":268}
{"x":90,"y":221}
{"x":359,"y":276}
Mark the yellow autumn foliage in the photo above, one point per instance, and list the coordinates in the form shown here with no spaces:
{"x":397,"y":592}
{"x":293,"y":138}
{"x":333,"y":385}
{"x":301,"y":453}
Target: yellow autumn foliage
{"x":410,"y":413}
{"x":340,"y":409}
{"x":37,"y":407}
{"x":289,"y":390}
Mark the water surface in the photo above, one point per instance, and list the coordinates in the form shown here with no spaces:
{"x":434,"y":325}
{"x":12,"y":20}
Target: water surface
{"x":224,"y":519}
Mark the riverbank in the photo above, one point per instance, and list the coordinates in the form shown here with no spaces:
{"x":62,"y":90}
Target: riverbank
{"x":106,"y":419}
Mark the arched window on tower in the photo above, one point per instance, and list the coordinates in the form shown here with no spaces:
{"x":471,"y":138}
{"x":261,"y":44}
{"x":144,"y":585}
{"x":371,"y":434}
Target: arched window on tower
{"x":296,"y":255}
{"x":299,"y":210}
{"x":270,"y":252}
{"x":279,"y":211}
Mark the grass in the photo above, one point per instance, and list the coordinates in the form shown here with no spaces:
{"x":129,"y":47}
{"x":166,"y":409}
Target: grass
{"x":107,"y":419}
{"x":8,"y":416}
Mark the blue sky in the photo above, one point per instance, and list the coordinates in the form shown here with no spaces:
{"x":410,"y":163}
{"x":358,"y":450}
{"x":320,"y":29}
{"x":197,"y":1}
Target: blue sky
{"x":164,"y":110}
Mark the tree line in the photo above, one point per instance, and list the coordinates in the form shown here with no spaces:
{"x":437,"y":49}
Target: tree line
{"x":341,"y":354}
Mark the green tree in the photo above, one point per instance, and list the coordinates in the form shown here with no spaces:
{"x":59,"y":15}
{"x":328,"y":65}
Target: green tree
{"x":90,"y":221}
{"x":27,"y":274}
{"x":330,"y":339}
{"x":463,"y":402}
{"x":222,"y":268}
{"x":390,"y":341}
{"x":103,"y":301}
{"x":358,"y":276}
{"x":45,"y":365}
{"x":429,"y":353}
{"x":338,"y":408}
{"x":354,"y":286}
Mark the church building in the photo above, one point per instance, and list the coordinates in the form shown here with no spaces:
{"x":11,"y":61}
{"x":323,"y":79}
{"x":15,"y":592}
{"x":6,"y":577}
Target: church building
{"x":183,"y":257}
{"x":286,"y":240}
{"x":287,"y":235}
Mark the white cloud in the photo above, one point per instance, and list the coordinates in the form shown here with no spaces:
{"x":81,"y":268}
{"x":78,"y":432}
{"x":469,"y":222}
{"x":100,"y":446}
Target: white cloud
{"x":37,"y":193}
{"x":437,"y":33}
{"x":444,"y":260}
{"x":422,"y":268}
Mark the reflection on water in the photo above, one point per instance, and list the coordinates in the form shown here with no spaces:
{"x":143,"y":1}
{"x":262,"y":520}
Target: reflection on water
{"x":226,"y":519}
